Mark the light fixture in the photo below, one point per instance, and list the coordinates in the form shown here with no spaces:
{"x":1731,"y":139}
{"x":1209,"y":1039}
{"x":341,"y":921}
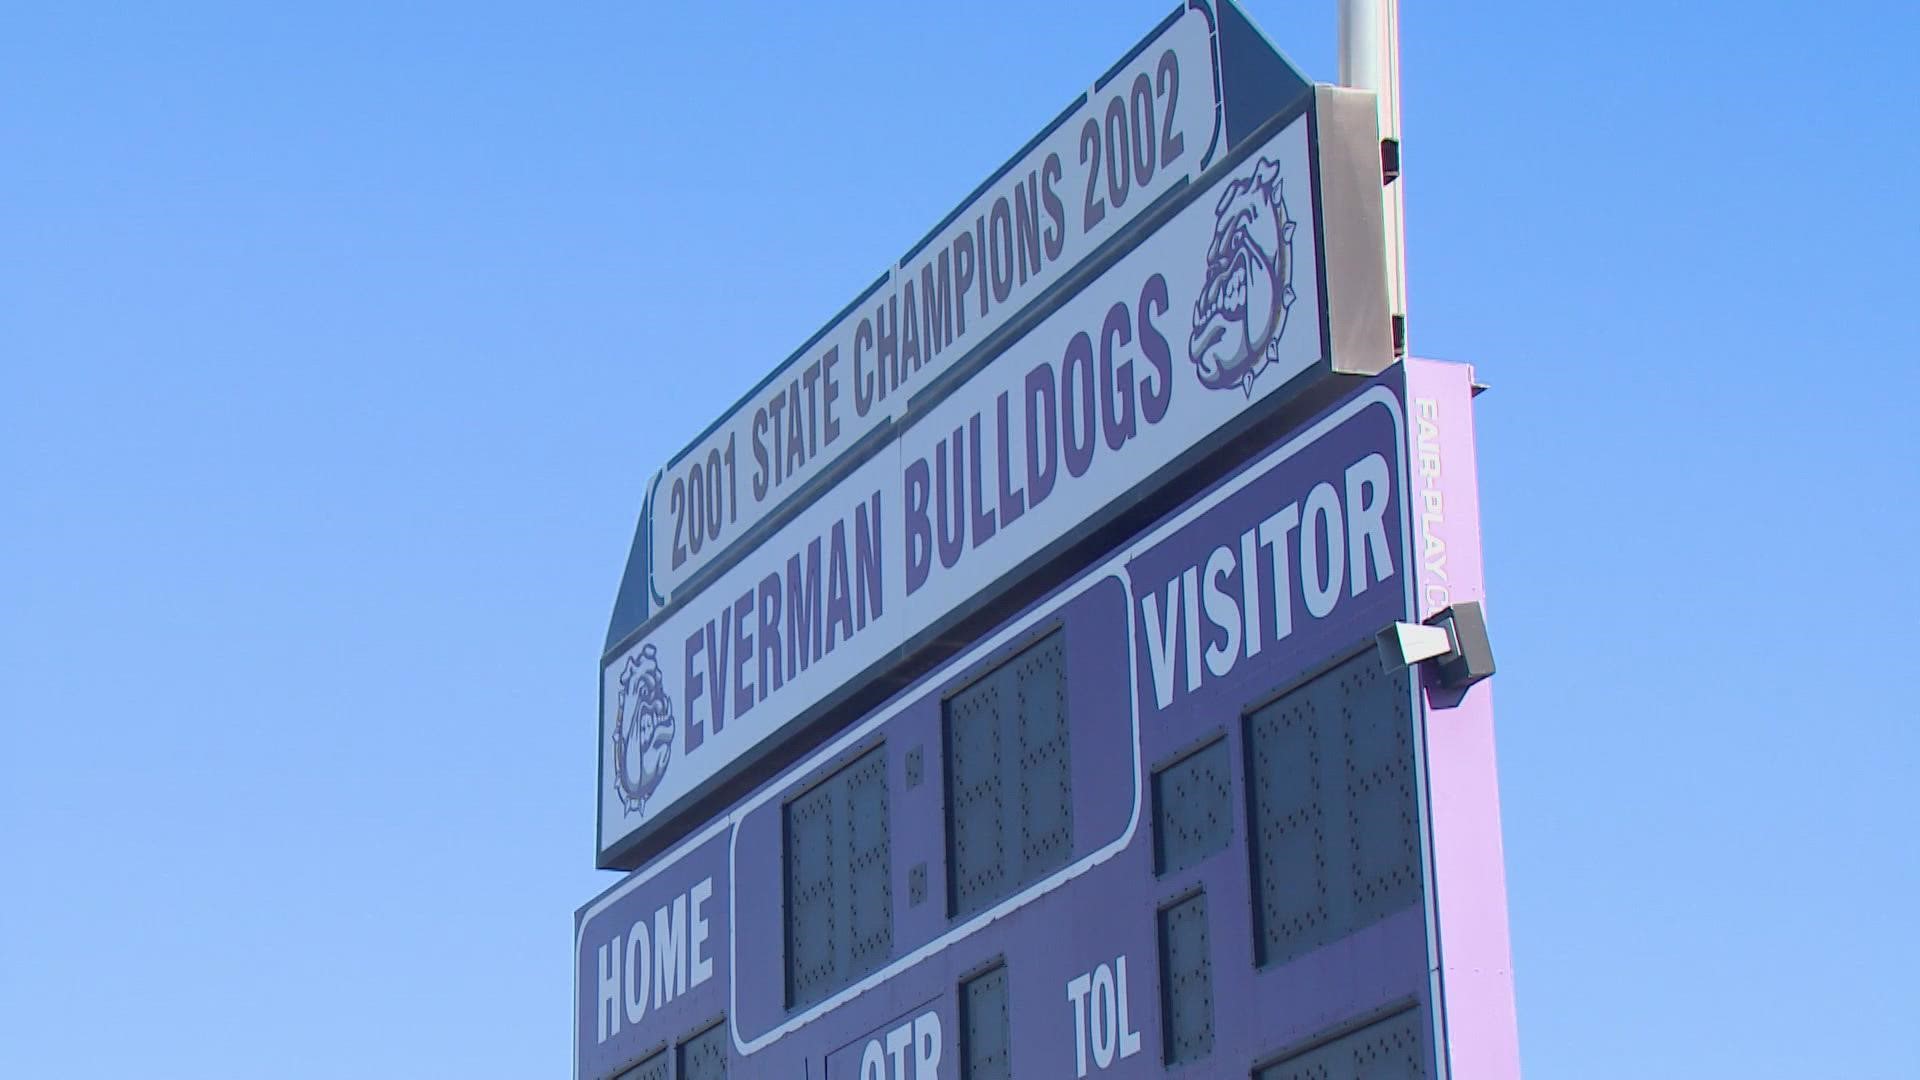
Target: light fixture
{"x":1455,"y":639}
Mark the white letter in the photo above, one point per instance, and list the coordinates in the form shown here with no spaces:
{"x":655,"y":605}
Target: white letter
{"x":670,"y":952}
{"x":1077,"y":993}
{"x":873,"y":1062}
{"x":702,"y":963}
{"x":1129,"y":1038}
{"x":1160,"y":640}
{"x":1367,"y":521}
{"x":1103,"y":1009}
{"x":1190,"y":582}
{"x":1322,"y":503}
{"x":926,"y":1047}
{"x":607,"y":1007}
{"x":639,"y":977}
{"x":1249,"y":590}
{"x":897,"y":1042}
{"x":1223,"y":612}
{"x":1273,"y":534}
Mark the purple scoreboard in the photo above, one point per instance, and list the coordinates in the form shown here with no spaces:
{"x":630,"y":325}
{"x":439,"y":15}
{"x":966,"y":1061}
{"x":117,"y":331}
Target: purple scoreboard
{"x":1047,"y":724}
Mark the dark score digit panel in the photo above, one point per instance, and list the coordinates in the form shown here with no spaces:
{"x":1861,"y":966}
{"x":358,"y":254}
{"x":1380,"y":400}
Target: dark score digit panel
{"x":839,"y":878}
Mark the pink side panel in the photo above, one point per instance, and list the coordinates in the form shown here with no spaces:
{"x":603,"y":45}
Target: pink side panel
{"x":1476,"y":967}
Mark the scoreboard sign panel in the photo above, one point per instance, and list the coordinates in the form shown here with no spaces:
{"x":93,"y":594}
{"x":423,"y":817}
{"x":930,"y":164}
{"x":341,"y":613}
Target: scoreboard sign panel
{"x":1176,"y":813}
{"x":1211,"y":321}
{"x":1170,"y":109}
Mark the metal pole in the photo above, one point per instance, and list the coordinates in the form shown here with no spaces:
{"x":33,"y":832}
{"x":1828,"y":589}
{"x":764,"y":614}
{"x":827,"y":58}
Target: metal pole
{"x":1370,"y":60}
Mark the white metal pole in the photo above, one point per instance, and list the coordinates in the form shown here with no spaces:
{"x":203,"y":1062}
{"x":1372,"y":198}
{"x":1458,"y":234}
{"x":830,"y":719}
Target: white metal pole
{"x":1370,"y":60}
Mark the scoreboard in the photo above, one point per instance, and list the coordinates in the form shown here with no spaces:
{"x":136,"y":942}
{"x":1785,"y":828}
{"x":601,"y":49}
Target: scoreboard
{"x":999,"y":689}
{"x":1176,"y":816}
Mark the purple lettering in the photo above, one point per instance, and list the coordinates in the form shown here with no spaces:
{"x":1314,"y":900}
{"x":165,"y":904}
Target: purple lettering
{"x":1078,"y":419}
{"x":696,"y":686}
{"x":919,"y":530}
{"x":718,"y":643}
{"x":803,"y":610}
{"x":767,"y":640}
{"x":760,"y":453}
{"x":1043,"y":466}
{"x":949,"y":497}
{"x":796,"y":439}
{"x":886,"y":328}
{"x":1026,"y":224}
{"x":981,"y":526}
{"x":962,"y":278}
{"x":909,"y":329}
{"x":811,"y":380}
{"x":742,"y":655}
{"x":1000,"y":253}
{"x":777,"y":408}
{"x":862,"y":380}
{"x":1055,"y":235}
{"x":839,"y":594}
{"x":985,"y":271}
{"x":829,"y":394}
{"x":866,"y":558}
{"x":937,"y":306}
{"x":1116,"y":419}
{"x":1153,"y":302}
{"x":1013,"y":501}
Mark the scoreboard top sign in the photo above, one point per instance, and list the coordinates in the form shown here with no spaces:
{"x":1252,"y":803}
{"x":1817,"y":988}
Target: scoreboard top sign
{"x":1228,"y":272}
{"x":1171,"y":108}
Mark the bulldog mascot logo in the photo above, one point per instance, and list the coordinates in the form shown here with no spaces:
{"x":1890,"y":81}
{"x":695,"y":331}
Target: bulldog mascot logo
{"x":642,"y":731}
{"x":1242,"y":310}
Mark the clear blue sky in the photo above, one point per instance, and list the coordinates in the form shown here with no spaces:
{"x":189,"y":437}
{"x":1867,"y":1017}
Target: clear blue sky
{"x":338,"y":342}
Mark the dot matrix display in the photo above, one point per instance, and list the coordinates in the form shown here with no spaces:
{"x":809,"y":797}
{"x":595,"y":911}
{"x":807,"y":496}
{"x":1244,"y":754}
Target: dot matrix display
{"x":1335,"y":841}
{"x":1009,"y":781}
{"x":839,"y":874}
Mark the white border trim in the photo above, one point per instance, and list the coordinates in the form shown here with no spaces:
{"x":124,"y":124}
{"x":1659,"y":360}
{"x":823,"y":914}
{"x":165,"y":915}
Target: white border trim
{"x":1020,"y":899}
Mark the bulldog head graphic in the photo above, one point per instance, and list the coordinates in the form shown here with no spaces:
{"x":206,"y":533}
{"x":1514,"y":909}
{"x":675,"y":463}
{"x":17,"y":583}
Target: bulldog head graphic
{"x":1242,"y":310}
{"x":643,"y":730}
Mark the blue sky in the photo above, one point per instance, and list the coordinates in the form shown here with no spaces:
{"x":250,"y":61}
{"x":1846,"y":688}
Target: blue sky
{"x":337,"y":344}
